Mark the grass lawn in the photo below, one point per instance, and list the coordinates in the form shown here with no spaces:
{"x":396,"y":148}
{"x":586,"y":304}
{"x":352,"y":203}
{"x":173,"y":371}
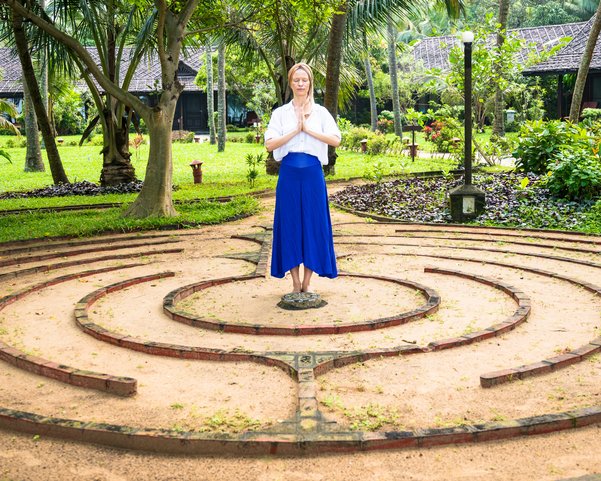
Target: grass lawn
{"x":224,"y":173}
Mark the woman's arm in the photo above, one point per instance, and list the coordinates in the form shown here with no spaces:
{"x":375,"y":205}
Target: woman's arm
{"x":275,"y":142}
{"x":329,"y":139}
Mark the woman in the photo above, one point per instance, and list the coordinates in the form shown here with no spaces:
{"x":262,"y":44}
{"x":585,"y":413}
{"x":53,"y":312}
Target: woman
{"x":298,"y":135}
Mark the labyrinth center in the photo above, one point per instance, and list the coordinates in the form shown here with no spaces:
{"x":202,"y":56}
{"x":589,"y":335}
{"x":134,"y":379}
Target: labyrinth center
{"x":173,"y":341}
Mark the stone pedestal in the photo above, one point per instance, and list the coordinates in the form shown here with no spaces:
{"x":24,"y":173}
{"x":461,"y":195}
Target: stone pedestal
{"x":467,"y":203}
{"x":301,"y":300}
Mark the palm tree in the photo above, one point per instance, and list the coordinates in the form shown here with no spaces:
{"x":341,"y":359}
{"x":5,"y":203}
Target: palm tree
{"x":33,"y":152}
{"x":499,"y":120}
{"x":210,"y":97}
{"x":111,"y":25}
{"x":394,"y":85}
{"x":221,"y":105}
{"x":354,"y":14}
{"x":21,"y":43}
{"x":373,"y":108}
{"x":585,"y":63}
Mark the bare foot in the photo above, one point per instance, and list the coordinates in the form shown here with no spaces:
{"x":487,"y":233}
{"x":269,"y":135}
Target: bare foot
{"x":306,"y":289}
{"x":296,"y":288}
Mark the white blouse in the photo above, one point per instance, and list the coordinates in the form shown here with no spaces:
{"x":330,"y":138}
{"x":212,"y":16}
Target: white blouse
{"x":283,"y":120}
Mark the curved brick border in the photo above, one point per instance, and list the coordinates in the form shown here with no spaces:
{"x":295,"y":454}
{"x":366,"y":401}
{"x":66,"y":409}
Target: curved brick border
{"x":164,"y":349}
{"x":262,"y":443}
{"x":482,"y":249}
{"x":119,"y":385}
{"x":170,"y":309}
{"x":547,"y":365}
{"x":534,"y":235}
{"x":528,"y":244}
{"x":43,"y":257}
{"x":518,"y":317}
{"x":83,"y":262}
{"x":321,"y":362}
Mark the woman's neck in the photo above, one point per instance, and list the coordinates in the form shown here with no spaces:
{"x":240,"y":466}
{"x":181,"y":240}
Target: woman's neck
{"x":299,"y":101}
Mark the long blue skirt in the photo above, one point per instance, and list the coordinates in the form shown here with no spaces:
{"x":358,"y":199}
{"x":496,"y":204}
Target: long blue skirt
{"x":302,"y":228}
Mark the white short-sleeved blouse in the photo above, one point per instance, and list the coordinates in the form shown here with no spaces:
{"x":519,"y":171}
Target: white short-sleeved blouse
{"x":283,"y":120}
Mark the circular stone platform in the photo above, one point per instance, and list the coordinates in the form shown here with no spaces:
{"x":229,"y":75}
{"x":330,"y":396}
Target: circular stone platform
{"x":298,"y":301}
{"x":89,"y":341}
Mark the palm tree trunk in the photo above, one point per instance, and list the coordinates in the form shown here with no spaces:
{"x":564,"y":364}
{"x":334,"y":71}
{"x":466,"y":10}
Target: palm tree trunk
{"x":499,"y":120}
{"x":33,"y":154}
{"x":43,"y":74}
{"x":56,"y":167}
{"x":116,"y":163}
{"x":334,"y":60}
{"x":221,"y":106}
{"x":210,"y":97}
{"x":373,"y":107}
{"x":584,"y":66}
{"x":392,"y":67}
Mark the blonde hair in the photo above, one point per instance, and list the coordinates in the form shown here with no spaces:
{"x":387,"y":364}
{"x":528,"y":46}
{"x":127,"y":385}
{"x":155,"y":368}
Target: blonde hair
{"x":305,"y":68}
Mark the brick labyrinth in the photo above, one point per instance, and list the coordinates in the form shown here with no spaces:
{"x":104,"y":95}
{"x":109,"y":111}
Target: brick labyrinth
{"x":112,"y":272}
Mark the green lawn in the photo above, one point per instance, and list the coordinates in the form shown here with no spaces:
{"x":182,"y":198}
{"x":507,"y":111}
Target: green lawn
{"x":224,"y":173}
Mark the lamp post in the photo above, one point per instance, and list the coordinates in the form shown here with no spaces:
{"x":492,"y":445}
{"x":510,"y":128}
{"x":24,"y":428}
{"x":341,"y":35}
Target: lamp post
{"x":467,"y":201}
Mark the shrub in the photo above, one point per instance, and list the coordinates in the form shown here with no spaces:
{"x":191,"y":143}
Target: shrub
{"x":541,"y":142}
{"x":182,"y":136}
{"x":576,"y":176}
{"x":250,"y":138}
{"x":442,"y":132}
{"x":593,"y":114}
{"x":352,"y":139}
{"x":377,"y":144}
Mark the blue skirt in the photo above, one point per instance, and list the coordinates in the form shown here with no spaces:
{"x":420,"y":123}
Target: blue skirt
{"x":302,"y":228}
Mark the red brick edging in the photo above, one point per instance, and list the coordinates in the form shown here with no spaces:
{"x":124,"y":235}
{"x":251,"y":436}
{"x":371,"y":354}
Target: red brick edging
{"x":119,"y":385}
{"x":171,"y":310}
{"x":273,"y":443}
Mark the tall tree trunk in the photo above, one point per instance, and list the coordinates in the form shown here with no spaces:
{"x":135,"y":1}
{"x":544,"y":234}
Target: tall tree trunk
{"x":392,"y":67}
{"x":584,"y":66}
{"x":373,"y":106}
{"x":155,"y":199}
{"x":210,"y":95}
{"x":56,"y":167}
{"x":221,"y":106}
{"x":43,"y":73}
{"x":334,"y":60}
{"x":116,"y":163}
{"x":33,"y":154}
{"x":499,"y":120}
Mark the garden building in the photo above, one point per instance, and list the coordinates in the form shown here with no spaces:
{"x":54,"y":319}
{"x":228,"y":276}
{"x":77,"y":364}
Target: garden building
{"x":191,"y":111}
{"x":433,"y":53}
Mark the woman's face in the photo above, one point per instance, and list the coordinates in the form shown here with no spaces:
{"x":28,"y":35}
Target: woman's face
{"x":300,"y":83}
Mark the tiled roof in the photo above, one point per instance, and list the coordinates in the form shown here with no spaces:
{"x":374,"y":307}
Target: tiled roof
{"x":147,"y":75}
{"x":567,"y":60}
{"x":434,"y":51}
{"x":10,"y":73}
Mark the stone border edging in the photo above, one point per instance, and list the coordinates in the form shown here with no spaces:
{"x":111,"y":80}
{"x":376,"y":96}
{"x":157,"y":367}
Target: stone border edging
{"x":83,"y":262}
{"x":119,"y":385}
{"x":263,"y":443}
{"x":43,"y":257}
{"x":170,"y":309}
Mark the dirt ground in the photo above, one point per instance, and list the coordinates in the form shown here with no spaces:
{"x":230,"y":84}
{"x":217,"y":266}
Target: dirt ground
{"x":436,"y":389}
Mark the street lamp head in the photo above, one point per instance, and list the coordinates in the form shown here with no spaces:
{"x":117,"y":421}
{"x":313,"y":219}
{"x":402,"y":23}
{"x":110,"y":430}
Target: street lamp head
{"x":467,"y":36}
